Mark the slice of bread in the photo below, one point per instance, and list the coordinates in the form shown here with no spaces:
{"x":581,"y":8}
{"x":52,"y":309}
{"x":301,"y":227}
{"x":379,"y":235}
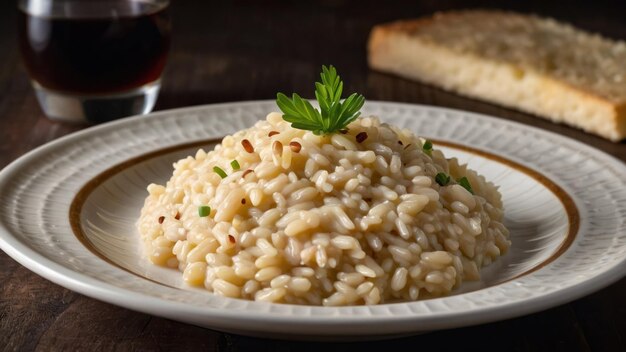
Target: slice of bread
{"x":529,"y":63}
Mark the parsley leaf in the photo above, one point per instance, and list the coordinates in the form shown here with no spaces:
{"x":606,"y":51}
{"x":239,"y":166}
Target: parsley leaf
{"x":333,"y":114}
{"x":428,"y":147}
{"x":204,"y":211}
{"x":464,"y":182}
{"x":442,"y":179}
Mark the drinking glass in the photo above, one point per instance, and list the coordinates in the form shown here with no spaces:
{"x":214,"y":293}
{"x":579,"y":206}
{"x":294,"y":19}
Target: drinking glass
{"x":94,"y":60}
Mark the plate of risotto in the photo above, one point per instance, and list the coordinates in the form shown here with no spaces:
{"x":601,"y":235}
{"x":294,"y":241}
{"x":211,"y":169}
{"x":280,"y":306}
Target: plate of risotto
{"x":319,"y":219}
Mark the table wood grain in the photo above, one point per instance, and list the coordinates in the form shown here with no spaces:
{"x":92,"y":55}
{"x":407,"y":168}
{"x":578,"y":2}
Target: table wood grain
{"x":245,"y":50}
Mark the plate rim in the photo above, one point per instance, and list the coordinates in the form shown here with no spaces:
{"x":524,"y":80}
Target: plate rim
{"x":100,"y":290}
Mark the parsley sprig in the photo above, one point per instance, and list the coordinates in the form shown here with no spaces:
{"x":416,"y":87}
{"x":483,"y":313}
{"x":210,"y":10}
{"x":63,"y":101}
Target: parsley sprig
{"x":333,"y":114}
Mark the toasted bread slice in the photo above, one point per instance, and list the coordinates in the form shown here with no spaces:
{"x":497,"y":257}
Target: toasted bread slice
{"x":525,"y":62}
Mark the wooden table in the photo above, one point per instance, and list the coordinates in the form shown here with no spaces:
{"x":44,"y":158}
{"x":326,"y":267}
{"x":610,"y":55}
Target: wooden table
{"x":243,"y":51}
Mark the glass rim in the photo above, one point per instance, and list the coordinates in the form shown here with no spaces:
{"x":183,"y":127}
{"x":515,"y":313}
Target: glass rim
{"x":90,"y":8}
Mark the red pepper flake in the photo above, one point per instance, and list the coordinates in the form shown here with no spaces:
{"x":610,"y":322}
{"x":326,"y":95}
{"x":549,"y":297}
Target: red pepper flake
{"x":295,"y":147}
{"x":177,"y":217}
{"x":400,"y":142}
{"x":367,"y":199}
{"x":247,"y":146}
{"x":245,"y":173}
{"x":272,"y":133}
{"x":361,"y":136}
{"x":161,"y":219}
{"x":344,"y":131}
{"x":231,"y":239}
{"x":243,"y":200}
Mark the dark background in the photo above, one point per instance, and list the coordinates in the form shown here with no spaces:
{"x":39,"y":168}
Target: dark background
{"x":247,"y":50}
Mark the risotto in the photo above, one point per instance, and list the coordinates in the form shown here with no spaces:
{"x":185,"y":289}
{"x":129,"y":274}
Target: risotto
{"x":366,"y":216}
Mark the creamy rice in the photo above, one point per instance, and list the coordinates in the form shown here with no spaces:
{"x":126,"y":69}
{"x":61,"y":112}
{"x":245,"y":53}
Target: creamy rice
{"x":345,"y":219}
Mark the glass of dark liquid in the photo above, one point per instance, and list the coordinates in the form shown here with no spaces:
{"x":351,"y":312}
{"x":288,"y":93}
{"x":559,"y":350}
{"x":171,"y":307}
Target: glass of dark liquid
{"x":94,"y":60}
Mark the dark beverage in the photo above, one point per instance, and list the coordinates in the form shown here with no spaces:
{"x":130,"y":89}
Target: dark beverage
{"x":98,"y":52}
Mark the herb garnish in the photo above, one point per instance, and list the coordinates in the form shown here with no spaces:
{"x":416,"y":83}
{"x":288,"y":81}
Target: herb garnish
{"x":235,"y":165}
{"x":218,"y":170}
{"x":204,"y":211}
{"x":333,"y":115}
{"x":464,"y":182}
{"x":428,"y":147}
{"x":442,"y":179}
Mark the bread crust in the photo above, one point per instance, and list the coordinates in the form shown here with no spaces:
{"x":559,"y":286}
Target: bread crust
{"x":407,"y":49}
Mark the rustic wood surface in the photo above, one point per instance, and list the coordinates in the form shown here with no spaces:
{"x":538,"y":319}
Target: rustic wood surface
{"x":243,"y":50}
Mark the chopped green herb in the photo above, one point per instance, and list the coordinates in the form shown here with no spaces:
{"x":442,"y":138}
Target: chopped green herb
{"x":218,"y":170}
{"x":464,"y":182}
{"x":204,"y":211}
{"x":442,"y":179}
{"x":333,"y":115}
{"x":235,"y":165}
{"x":428,"y":147}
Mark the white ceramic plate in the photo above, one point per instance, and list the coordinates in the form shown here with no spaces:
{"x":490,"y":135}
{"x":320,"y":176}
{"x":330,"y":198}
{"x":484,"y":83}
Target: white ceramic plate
{"x":68,"y":211}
